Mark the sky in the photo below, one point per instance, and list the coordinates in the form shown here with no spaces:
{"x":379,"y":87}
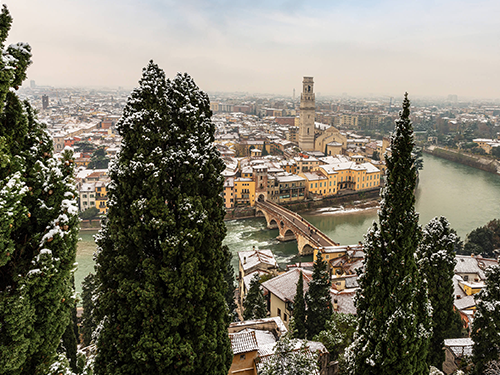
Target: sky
{"x":357,"y":47}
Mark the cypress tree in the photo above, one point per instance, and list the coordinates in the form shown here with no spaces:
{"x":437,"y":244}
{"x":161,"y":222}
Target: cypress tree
{"x":299,"y":311}
{"x":436,"y":261}
{"x":392,"y":305}
{"x":160,"y":263}
{"x":88,"y":304}
{"x":254,"y":305}
{"x":318,"y":299}
{"x":38,"y":226}
{"x":486,"y":325}
{"x":229,"y":296}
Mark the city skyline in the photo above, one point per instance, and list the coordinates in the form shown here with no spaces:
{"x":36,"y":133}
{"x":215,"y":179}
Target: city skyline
{"x":430,"y":48}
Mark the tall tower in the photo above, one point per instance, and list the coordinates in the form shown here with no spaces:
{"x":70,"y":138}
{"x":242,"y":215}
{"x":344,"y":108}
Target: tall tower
{"x":307,"y":115}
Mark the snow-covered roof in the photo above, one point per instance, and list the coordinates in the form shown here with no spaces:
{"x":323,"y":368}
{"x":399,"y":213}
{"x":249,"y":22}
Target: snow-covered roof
{"x":460,"y":347}
{"x":344,"y":301}
{"x":463,"y":303}
{"x":284,"y":286}
{"x":263,"y":337}
{"x":473,"y":265}
{"x":290,"y":178}
{"x":311,"y":176}
{"x":243,"y":342}
{"x":250,"y":259}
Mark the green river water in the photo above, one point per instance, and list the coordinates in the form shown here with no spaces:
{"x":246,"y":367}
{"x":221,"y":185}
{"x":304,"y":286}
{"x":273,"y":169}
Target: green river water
{"x":468,"y":197}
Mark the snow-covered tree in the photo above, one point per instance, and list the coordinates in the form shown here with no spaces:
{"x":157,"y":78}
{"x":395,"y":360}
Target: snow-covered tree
{"x":291,"y":357}
{"x":338,"y":334}
{"x":88,"y":303}
{"x":229,"y":296}
{"x":486,"y":325}
{"x":160,"y":263}
{"x":299,"y":311}
{"x":254,"y":305}
{"x":318,"y":299}
{"x":393,"y":309}
{"x":436,"y":261}
{"x":38,"y":226}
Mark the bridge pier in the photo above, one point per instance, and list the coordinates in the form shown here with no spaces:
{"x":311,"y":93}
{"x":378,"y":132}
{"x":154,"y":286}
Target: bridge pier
{"x":288,"y":236}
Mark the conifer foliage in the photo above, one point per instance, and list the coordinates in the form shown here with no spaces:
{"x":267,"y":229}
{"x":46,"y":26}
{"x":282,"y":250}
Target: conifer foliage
{"x":254,"y":304}
{"x":161,"y":263}
{"x":486,"y":326}
{"x":436,"y":261}
{"x":393,"y":309}
{"x":299,"y":311}
{"x":318,"y":299}
{"x":38,"y":226}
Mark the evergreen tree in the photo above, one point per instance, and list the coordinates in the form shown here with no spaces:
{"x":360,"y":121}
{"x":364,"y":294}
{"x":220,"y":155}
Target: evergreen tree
{"x":161,"y":263}
{"x":436,"y":261}
{"x":88,"y":322}
{"x":229,"y":296}
{"x":337,"y":336}
{"x":393,"y":309}
{"x":38,"y":226}
{"x":254,"y":305}
{"x":318,"y":299}
{"x":290,"y":360}
{"x":486,"y":325}
{"x":99,"y":159}
{"x":299,"y":311}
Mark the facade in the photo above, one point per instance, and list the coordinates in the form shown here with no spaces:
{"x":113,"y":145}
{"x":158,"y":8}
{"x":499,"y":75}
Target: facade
{"x":244,"y":347}
{"x":228,"y":193}
{"x":291,"y":188}
{"x":87,"y":196}
{"x":244,"y":191}
{"x":101,"y":197}
{"x":307,"y":115}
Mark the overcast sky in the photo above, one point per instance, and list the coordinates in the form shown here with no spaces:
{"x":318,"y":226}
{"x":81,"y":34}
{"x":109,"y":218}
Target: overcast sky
{"x":425,"y":47}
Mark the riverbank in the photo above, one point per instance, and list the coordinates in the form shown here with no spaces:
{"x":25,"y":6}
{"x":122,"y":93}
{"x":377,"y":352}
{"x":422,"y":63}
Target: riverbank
{"x":483,"y":163}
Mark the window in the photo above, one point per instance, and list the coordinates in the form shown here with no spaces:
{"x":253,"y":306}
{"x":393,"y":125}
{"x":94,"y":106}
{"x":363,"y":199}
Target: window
{"x":91,"y":195}
{"x":316,"y":184}
{"x":279,"y":313}
{"x":84,"y":195}
{"x":242,"y":357}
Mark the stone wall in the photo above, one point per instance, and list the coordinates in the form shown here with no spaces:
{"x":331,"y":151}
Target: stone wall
{"x":483,"y":163}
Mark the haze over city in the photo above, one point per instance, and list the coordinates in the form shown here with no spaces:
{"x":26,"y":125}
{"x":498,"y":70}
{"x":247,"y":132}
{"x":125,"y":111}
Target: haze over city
{"x":428,"y":48}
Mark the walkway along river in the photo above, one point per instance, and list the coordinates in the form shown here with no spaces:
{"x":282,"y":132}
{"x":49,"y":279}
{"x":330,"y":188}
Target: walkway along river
{"x":468,"y":197}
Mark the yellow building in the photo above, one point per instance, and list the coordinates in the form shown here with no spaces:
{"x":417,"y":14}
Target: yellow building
{"x":351,"y":176}
{"x":101,"y":199}
{"x":245,"y":352}
{"x":317,"y":184}
{"x":244,"y":191}
{"x":471,"y":288}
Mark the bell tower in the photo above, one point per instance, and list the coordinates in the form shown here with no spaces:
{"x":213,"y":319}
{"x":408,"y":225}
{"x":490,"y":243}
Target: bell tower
{"x":307,"y":115}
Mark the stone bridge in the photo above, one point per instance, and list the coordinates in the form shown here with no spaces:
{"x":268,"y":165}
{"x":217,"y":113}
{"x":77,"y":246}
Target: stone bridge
{"x":292,"y":226}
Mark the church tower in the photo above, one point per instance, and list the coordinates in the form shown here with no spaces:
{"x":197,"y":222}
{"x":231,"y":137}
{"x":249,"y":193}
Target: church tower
{"x":307,"y":115}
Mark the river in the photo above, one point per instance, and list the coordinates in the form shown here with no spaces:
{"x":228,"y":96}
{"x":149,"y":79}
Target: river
{"x":467,"y":197}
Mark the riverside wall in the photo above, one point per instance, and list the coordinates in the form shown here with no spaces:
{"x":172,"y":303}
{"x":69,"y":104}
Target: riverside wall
{"x":475,"y":161}
{"x":310,"y":204}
